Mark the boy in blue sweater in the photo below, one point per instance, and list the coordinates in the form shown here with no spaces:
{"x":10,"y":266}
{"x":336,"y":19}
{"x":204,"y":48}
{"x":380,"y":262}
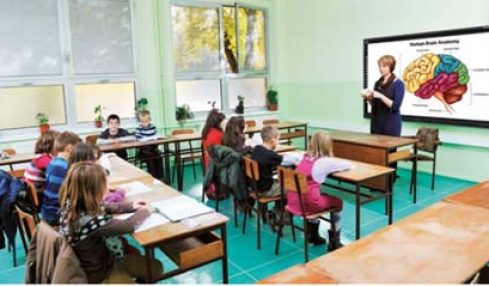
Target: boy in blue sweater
{"x":55,"y":175}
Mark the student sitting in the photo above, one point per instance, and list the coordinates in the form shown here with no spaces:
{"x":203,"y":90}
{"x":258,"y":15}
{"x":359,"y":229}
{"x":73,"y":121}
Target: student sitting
{"x":317,"y":164}
{"x":55,"y":174}
{"x":89,"y":226}
{"x":115,"y":134}
{"x":149,"y":154}
{"x":267,"y":160}
{"x":234,"y":136}
{"x":212,"y":135}
{"x":36,"y":171}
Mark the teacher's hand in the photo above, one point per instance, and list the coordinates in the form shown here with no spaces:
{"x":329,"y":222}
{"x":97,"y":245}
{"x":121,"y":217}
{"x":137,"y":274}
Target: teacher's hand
{"x":377,"y":94}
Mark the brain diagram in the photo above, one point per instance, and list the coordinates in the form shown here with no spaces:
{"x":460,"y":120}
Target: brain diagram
{"x":441,"y":76}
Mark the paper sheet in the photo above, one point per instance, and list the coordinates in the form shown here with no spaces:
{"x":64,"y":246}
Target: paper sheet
{"x":292,"y":158}
{"x":147,"y":138}
{"x":181,"y":207}
{"x":154,"y":220}
{"x":134,"y":188}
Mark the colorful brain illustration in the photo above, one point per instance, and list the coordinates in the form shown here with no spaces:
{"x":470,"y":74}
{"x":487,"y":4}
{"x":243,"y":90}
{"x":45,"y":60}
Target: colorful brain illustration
{"x":442,"y":76}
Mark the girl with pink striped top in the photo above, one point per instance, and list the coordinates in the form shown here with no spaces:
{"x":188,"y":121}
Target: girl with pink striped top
{"x":317,"y":164}
{"x":36,"y":171}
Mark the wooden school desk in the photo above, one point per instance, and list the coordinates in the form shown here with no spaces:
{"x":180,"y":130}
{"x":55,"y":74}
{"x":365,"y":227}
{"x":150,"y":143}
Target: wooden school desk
{"x":190,"y":243}
{"x":374,"y":149}
{"x":445,"y":243}
{"x":359,"y":176}
{"x":477,"y":196}
{"x":18,"y":158}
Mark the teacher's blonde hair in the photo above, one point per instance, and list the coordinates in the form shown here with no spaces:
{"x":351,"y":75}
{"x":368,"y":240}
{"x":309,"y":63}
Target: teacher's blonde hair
{"x":389,"y":61}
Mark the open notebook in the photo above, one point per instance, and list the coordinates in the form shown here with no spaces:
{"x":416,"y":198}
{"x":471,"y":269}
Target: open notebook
{"x":180,"y":207}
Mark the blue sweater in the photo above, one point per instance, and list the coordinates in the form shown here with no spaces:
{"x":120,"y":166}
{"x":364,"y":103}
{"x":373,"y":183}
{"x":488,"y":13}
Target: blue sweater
{"x":55,"y":175}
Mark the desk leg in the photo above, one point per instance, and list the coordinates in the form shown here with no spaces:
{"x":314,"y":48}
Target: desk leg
{"x":179,"y":167}
{"x":148,"y":251}
{"x":166,"y":151}
{"x":225,"y":275}
{"x":389,"y":198}
{"x":415,"y":174}
{"x":357,"y":212}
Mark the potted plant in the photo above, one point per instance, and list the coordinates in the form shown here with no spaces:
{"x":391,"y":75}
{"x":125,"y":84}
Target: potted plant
{"x":43,"y":120}
{"x":141,"y":104}
{"x":272,"y":102}
{"x":183,"y":113}
{"x":240,"y":107}
{"x":99,"y":118}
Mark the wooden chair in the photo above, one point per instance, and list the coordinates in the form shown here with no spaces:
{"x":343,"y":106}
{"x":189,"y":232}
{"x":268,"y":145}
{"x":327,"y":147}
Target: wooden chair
{"x":428,"y":142}
{"x":250,"y":123}
{"x":253,"y":176}
{"x":293,"y":181}
{"x":189,"y":154}
{"x":270,"y":121}
{"x":91,"y":139}
{"x":27,"y":225}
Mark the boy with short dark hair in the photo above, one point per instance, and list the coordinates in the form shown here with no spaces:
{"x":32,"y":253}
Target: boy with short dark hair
{"x":115,"y":134}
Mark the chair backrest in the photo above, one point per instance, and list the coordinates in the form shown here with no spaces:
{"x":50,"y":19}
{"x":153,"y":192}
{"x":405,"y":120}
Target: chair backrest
{"x":27,"y":223}
{"x":91,"y":139}
{"x":250,"y":123}
{"x":428,"y":139}
{"x":251,"y":169}
{"x":9,"y":151}
{"x":270,"y":121}
{"x":292,"y":181}
{"x":19,"y":173}
{"x":182,"y":131}
{"x":32,"y":192}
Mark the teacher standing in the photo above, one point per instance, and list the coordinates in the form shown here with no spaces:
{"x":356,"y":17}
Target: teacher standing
{"x":386,"y":100}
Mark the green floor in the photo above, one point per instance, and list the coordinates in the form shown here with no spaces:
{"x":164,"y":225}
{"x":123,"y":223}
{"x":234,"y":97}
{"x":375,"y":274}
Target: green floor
{"x":248,"y":265}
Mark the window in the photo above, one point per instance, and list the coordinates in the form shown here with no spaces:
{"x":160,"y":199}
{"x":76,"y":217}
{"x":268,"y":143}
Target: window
{"x":64,"y":62}
{"x":195,"y":39}
{"x":21,"y":104}
{"x":113,"y":97}
{"x":253,"y":89}
{"x":30,"y":38}
{"x":216,"y":61}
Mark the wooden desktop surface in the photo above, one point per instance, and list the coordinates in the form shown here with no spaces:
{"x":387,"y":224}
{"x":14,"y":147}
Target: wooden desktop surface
{"x":298,"y":274}
{"x":477,"y":195}
{"x":379,"y":141}
{"x":279,"y":125}
{"x":122,"y":172}
{"x":445,"y":243}
{"x":17,"y":159}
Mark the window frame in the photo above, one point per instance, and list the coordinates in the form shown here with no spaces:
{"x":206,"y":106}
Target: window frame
{"x":222,"y":75}
{"x":68,"y":78}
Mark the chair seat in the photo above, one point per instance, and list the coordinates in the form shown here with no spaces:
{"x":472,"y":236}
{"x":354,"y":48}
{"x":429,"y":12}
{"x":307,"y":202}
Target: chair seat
{"x":195,"y":155}
{"x":311,"y":215}
{"x":264,"y":200}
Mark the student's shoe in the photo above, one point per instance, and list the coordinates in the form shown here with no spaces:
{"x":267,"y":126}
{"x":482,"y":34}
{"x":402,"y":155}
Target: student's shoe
{"x":313,"y":234}
{"x":334,"y":240}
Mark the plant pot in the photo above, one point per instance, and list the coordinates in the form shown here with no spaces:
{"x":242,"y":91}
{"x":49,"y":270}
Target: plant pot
{"x":99,"y":123}
{"x":239,"y":108}
{"x":43,"y":128}
{"x":272,"y":107}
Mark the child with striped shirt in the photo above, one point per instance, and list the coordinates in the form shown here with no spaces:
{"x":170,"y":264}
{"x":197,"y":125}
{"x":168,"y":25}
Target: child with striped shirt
{"x":150,"y":154}
{"x":35,"y":172}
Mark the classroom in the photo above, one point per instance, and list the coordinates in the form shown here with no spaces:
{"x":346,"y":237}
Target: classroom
{"x":244,"y":141}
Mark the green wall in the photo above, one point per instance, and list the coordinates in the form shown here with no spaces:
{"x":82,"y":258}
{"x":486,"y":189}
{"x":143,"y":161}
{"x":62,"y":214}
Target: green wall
{"x":319,"y":45}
